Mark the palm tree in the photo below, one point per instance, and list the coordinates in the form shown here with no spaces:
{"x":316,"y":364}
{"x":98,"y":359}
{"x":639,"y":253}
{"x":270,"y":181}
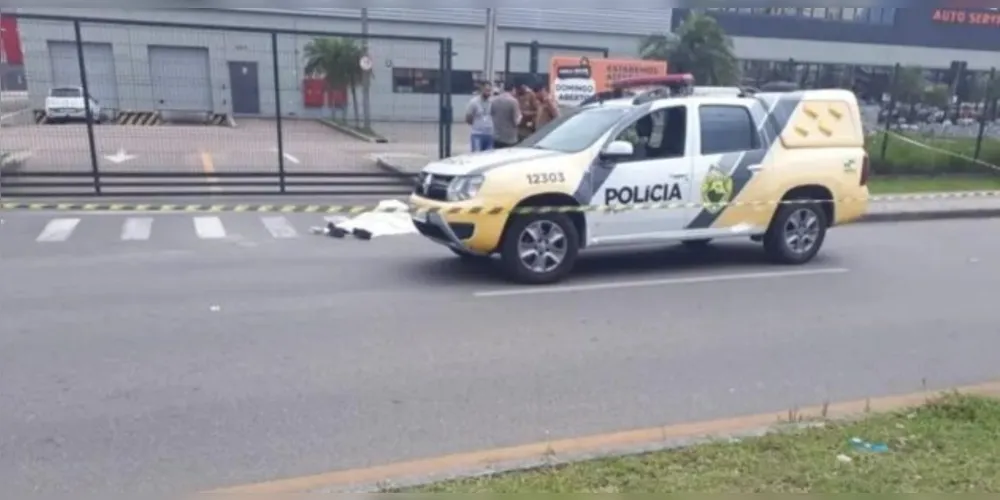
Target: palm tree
{"x":699,"y":47}
{"x":337,"y":60}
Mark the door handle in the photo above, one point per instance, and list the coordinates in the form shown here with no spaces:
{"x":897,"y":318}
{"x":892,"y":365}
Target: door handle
{"x":678,"y":176}
{"x":755,"y":168}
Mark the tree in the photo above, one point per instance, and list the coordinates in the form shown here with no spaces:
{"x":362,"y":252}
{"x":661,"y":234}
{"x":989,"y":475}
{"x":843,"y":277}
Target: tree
{"x":699,"y":47}
{"x":337,"y":60}
{"x":910,"y":85}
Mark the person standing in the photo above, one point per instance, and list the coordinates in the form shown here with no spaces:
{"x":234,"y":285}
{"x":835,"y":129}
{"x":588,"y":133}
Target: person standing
{"x":479,"y":116}
{"x":506,"y":118}
{"x":547,"y":108}
{"x":529,"y":108}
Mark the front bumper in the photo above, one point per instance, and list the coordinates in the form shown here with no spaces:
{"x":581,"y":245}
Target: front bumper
{"x":473,"y":233}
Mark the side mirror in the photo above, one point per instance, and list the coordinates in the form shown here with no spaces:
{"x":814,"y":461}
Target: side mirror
{"x":618,"y":150}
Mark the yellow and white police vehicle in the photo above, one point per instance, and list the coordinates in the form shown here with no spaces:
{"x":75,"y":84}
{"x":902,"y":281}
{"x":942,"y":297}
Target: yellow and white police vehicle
{"x":667,"y":164}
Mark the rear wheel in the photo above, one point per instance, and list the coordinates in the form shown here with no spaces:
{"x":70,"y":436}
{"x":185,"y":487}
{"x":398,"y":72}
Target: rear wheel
{"x":796,"y":233}
{"x":540,"y":248}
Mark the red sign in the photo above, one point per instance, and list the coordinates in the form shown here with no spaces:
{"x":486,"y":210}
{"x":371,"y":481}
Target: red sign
{"x":11,"y":41}
{"x":987,"y":17}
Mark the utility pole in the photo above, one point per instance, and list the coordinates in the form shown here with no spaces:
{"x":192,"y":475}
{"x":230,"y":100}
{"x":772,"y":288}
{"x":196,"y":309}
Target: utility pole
{"x":489,"y":74}
{"x":366,"y":88}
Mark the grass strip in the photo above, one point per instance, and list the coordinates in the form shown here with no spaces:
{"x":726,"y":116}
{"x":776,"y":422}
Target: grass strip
{"x":949,"y":445}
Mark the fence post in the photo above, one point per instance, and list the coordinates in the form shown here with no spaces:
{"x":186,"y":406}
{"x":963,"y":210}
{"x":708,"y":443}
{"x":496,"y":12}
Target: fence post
{"x":446,"y":86}
{"x":277,"y":111}
{"x":533,"y":61}
{"x":442,"y":105}
{"x":86,"y":107}
{"x":890,"y":109}
{"x":506,"y":64}
{"x":982,"y":113}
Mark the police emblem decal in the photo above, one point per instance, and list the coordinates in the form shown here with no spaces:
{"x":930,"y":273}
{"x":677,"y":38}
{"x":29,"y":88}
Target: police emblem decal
{"x":716,"y":190}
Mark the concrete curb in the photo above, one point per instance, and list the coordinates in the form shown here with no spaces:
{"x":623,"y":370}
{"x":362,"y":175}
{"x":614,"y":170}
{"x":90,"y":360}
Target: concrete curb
{"x":12,"y":161}
{"x":357,"y":134}
{"x":390,"y":168}
{"x":930,"y":214}
{"x":531,"y":456}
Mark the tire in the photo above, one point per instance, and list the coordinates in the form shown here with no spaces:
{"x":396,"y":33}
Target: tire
{"x":696,"y":244}
{"x":787,"y":219}
{"x":516,"y":268}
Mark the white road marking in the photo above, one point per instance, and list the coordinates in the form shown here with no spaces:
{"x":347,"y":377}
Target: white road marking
{"x":661,"y":282}
{"x":279,"y":227}
{"x":137,"y":228}
{"x":209,"y":228}
{"x":287,"y":156}
{"x":58,"y":230}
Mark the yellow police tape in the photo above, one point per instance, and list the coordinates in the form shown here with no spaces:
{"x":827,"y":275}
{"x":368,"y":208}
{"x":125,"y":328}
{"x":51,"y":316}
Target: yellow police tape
{"x":489,"y":210}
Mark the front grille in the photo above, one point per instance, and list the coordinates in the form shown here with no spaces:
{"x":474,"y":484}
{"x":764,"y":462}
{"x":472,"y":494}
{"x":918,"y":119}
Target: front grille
{"x":436,"y":189}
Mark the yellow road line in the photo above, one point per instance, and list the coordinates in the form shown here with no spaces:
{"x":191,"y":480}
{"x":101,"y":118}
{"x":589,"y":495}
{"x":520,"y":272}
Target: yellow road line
{"x":208,"y":166}
{"x":582,"y":446}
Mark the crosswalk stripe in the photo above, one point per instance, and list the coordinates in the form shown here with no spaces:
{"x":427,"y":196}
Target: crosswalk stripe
{"x":58,"y":230}
{"x":209,"y":228}
{"x":137,"y":228}
{"x":279,"y":227}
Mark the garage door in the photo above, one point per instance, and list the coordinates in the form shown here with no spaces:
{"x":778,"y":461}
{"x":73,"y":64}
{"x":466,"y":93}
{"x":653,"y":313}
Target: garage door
{"x":180,"y":77}
{"x":102,"y":80}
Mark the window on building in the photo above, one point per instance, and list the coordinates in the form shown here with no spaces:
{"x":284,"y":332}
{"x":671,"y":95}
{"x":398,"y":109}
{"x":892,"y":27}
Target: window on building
{"x":415,"y":81}
{"x":837,"y":14}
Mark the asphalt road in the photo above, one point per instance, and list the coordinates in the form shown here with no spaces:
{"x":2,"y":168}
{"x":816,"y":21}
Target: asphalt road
{"x":189,"y":365}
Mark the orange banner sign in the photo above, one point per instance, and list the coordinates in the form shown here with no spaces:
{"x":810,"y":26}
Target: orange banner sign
{"x":573,"y":79}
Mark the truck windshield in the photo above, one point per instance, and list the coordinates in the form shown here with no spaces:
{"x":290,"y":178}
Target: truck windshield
{"x":66,"y":92}
{"x":575,"y":130}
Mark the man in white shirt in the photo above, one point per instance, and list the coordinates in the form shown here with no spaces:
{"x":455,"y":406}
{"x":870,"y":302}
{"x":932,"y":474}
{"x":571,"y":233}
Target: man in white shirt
{"x":479,"y":115}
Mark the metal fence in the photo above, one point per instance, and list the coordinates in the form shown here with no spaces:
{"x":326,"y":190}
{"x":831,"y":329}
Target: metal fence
{"x":938,"y":125}
{"x":918,"y":120}
{"x":186,"y":109}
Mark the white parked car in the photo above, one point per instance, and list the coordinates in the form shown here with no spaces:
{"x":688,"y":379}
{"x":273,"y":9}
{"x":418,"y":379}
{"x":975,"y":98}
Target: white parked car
{"x":66,"y":103}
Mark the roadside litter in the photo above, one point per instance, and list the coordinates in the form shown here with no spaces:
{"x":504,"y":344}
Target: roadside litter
{"x":861,"y":445}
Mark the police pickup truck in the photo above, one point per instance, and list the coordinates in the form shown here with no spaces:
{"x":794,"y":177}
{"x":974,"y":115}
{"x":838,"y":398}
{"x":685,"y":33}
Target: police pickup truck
{"x":664,"y":164}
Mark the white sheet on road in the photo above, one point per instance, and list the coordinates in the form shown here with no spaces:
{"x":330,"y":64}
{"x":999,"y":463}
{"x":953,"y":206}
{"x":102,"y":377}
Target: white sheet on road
{"x":382,"y":223}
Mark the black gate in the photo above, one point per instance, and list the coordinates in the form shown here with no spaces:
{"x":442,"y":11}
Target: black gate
{"x":217,"y":110}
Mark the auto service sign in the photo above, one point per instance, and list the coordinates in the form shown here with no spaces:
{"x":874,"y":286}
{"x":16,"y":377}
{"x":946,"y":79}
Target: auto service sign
{"x":573,"y":79}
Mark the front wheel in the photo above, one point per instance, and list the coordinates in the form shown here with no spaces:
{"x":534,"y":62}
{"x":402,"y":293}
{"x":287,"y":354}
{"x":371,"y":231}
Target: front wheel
{"x":540,"y":248}
{"x":796,"y":233}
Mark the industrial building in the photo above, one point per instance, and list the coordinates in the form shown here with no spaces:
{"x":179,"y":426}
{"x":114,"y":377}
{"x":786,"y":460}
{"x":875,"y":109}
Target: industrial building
{"x":143,"y":68}
{"x":856,"y":46}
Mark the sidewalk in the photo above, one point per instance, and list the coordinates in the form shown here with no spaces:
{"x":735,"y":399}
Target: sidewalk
{"x":881,"y":208}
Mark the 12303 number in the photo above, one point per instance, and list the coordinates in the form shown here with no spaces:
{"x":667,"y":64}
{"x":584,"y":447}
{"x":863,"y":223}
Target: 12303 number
{"x":546,"y":178}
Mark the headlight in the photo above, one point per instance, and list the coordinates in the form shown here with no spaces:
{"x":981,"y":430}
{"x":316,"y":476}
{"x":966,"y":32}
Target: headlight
{"x":464,"y":187}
